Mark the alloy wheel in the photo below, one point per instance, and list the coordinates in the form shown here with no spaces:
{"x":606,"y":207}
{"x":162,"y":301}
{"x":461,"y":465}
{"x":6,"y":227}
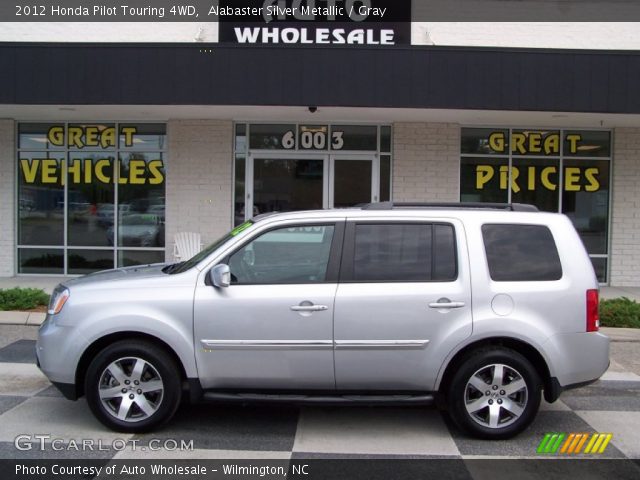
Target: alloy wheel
{"x":496,"y":396}
{"x":131,"y":389}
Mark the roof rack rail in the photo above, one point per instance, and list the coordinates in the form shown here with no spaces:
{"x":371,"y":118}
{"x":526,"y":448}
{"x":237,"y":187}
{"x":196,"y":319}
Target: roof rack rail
{"x":514,"y":207}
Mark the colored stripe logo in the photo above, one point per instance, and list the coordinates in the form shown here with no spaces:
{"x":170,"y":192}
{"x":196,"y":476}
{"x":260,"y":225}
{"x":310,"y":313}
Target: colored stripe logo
{"x":574,"y":443}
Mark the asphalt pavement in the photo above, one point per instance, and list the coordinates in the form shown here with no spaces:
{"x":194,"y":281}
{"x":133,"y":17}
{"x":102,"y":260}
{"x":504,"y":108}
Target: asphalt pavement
{"x":31,"y":409}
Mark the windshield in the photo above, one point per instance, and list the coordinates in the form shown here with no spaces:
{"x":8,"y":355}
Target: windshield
{"x":198,"y":257}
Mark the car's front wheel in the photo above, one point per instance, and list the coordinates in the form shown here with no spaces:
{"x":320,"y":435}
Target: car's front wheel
{"x":494,"y":394}
{"x":133,"y":386}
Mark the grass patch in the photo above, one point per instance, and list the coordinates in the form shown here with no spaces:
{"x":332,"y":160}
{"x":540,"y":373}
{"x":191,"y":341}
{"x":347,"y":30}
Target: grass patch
{"x":620,"y":312}
{"x":22,"y":298}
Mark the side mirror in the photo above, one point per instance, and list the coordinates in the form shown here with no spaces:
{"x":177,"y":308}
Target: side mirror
{"x":220,"y":276}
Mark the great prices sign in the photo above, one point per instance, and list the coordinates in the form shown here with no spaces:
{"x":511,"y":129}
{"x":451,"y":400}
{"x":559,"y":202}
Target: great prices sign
{"x":536,"y":160}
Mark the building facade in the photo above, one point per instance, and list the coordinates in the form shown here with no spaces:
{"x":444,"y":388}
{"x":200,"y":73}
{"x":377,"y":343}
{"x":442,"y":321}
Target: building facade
{"x":108,"y":150}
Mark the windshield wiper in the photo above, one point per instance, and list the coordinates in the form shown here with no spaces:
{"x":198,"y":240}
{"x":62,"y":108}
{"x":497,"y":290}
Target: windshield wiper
{"x":171,"y":268}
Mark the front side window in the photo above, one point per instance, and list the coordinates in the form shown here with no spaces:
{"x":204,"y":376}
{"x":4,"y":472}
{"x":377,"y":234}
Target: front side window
{"x":290,"y":255}
{"x":404,"y":253}
{"x":520,"y":253}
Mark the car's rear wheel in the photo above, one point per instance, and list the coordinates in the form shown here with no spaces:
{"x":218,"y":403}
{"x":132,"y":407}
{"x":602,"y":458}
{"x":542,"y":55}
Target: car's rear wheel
{"x":133,"y":386}
{"x":494,"y":394}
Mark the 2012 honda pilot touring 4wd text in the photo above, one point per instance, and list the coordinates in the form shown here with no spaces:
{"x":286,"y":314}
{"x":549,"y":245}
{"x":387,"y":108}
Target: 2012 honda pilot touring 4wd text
{"x":484,"y":308}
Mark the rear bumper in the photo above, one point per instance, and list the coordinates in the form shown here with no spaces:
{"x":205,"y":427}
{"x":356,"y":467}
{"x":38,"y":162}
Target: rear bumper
{"x":576,"y":359}
{"x":553,"y":389}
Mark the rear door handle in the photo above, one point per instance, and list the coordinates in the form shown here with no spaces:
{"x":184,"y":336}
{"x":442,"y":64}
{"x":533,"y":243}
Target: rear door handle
{"x":309,"y":308}
{"x":445,"y":303}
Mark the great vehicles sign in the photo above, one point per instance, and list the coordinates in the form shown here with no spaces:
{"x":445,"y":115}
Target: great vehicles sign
{"x":314,"y":22}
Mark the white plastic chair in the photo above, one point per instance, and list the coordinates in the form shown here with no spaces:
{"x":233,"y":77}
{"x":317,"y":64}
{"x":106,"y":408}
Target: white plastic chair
{"x":186,"y":245}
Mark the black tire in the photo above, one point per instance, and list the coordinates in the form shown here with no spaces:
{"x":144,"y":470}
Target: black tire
{"x":483,"y":365}
{"x":160,"y":404}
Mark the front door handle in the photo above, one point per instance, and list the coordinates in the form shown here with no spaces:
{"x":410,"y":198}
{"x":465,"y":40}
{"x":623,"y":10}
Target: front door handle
{"x":309,"y":308}
{"x":446,"y":303}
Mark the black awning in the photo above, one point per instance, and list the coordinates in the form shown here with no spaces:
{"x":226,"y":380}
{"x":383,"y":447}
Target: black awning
{"x":408,"y":77}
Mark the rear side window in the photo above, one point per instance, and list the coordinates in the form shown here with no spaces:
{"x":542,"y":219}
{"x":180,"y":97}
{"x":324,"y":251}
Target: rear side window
{"x":404,"y":253}
{"x":521,"y":253}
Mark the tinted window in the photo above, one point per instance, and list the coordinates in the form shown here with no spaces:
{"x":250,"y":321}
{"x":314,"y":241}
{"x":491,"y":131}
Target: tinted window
{"x":518,"y":253}
{"x":286,"y":255}
{"x":401,"y":252}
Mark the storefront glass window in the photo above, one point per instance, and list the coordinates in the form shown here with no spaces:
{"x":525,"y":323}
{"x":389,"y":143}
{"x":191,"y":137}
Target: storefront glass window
{"x":90,"y":194}
{"x":535,"y":181}
{"x":385,"y":178}
{"x":40,"y":198}
{"x":41,"y":136}
{"x":385,"y":139}
{"x":128,"y":258}
{"x":354,"y":137}
{"x":272,"y":137}
{"x":283,"y":185}
{"x":141,"y":200}
{"x":585,"y":200}
{"x":87,"y":190}
{"x":587,"y":143}
{"x":290,"y":167}
{"x":241,"y":138}
{"x":142,"y":137}
{"x":238,"y":208}
{"x":534,"y":143}
{"x":485,"y":141}
{"x":41,"y":260}
{"x":484,"y":179}
{"x":557,"y":170}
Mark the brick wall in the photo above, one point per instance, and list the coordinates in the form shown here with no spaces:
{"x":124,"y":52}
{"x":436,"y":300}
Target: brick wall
{"x":625,"y":226}
{"x":199,"y":179}
{"x":7,"y":199}
{"x":426,"y":162}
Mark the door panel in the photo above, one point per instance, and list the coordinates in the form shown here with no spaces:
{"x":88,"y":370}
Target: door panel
{"x":386,"y":334}
{"x":273,"y":326}
{"x":247,"y":336}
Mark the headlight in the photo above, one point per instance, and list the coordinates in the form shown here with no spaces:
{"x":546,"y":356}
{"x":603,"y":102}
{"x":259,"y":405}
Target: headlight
{"x":58,"y":299}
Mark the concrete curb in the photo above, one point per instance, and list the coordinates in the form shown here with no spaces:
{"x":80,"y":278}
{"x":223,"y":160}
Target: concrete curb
{"x":622,"y":334}
{"x":22,"y":318}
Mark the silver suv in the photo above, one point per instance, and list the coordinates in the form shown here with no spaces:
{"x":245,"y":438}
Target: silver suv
{"x":480,"y":308}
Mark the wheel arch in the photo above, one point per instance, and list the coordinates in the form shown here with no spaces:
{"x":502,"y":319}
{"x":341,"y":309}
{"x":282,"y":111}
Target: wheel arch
{"x":531,"y":353}
{"x":99,"y":344}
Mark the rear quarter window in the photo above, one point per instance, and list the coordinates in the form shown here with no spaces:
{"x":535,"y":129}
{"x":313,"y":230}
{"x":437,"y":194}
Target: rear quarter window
{"x":521,"y":253}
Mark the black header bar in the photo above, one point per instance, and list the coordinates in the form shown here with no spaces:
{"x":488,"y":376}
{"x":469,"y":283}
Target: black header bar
{"x":265,"y":11}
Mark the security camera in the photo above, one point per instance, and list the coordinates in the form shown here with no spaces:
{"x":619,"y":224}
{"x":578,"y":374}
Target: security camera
{"x":313,"y":109}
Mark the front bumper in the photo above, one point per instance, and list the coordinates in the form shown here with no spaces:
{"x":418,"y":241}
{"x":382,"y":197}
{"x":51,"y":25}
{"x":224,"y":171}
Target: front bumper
{"x":58,"y":350}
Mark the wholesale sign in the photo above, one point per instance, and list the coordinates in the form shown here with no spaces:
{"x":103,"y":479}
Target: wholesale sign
{"x":314,"y":22}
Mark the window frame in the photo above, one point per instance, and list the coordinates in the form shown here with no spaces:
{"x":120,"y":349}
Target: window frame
{"x":335,"y":251}
{"x":348,"y":255}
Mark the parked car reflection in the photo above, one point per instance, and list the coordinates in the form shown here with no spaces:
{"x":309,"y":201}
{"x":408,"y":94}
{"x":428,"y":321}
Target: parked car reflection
{"x":139,"y":230}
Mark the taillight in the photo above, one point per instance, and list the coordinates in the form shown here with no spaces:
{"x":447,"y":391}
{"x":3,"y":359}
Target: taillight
{"x":593,"y":318}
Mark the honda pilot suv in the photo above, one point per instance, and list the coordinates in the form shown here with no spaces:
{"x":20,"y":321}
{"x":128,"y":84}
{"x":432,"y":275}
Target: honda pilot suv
{"x":479,"y":308}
